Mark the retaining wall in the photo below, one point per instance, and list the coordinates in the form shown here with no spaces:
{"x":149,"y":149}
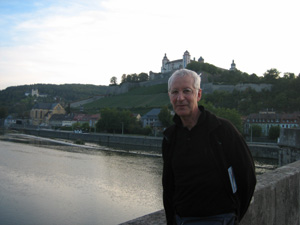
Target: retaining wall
{"x":105,"y":139}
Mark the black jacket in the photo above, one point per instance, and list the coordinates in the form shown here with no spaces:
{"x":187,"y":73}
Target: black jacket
{"x":229,"y":149}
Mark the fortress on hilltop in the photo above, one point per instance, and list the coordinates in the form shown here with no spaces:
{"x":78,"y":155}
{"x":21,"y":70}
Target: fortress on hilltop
{"x":168,"y":67}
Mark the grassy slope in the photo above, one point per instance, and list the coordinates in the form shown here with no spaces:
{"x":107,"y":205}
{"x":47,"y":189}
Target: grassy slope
{"x":138,"y":99}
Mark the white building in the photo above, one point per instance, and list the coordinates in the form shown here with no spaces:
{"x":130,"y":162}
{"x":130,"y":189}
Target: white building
{"x":170,"y":66}
{"x":268,"y":119}
{"x":151,"y":118}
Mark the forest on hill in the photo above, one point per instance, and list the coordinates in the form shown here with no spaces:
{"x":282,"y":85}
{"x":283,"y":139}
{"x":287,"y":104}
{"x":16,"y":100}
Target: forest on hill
{"x":283,"y":97}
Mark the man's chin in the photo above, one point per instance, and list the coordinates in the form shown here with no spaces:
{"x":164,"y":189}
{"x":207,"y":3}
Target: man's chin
{"x":182,"y":112}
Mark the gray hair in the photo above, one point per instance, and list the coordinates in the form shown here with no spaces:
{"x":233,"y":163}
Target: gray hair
{"x":183,"y":73}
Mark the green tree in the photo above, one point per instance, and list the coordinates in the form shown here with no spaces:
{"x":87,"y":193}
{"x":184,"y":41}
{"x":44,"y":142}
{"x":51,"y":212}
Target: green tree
{"x":165,"y":117}
{"x":289,"y":76}
{"x":3,"y":112}
{"x":256,"y":131}
{"x":134,"y":78}
{"x":123,"y":78}
{"x":68,"y":108}
{"x":253,"y":78}
{"x":76,"y":126}
{"x":274,"y":132}
{"x":232,"y":115}
{"x":143,"y":77}
{"x":113,"y":81}
{"x":85,"y":126}
{"x":114,"y":120}
{"x":271,"y":75}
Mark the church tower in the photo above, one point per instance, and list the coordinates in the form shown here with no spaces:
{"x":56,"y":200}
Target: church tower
{"x":186,"y":58}
{"x":232,"y":66}
{"x":164,"y":63}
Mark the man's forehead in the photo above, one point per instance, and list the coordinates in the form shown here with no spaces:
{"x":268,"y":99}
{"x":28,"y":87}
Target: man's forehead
{"x":182,"y":83}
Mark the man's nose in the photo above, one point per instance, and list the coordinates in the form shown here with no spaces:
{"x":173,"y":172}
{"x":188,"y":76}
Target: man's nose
{"x":180,"y":96}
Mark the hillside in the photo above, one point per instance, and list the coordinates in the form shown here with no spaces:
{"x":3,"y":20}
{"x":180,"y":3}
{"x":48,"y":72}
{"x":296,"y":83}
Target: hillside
{"x":15,"y":100}
{"x":138,"y":100}
{"x":282,"y":97}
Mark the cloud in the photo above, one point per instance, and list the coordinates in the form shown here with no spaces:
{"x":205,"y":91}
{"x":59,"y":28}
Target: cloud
{"x":76,"y":41}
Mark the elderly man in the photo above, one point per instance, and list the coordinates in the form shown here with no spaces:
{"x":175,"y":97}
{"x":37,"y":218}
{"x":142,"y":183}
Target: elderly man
{"x":208,"y":172}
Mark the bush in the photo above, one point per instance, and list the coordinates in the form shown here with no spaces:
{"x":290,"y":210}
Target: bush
{"x":79,"y":142}
{"x":256,"y":131}
{"x":274,"y":132}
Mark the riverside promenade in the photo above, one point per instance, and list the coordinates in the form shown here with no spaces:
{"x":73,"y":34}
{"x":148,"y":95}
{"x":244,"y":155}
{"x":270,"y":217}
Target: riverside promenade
{"x":276,"y":200}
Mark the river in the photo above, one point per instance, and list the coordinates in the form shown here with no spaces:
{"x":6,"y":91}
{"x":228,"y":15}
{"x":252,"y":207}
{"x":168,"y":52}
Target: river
{"x":47,"y":182}
{"x":59,"y":184}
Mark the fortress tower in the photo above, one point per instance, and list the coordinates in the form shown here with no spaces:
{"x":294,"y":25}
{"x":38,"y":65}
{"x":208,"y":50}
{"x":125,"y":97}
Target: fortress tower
{"x":170,"y":66}
{"x":164,"y":63}
{"x":186,"y":58}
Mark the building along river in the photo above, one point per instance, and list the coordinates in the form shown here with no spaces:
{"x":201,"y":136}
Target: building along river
{"x":48,"y":182}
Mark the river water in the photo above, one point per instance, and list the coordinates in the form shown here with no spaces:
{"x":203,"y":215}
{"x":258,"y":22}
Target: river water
{"x":55,"y":184}
{"x":46,"y":182}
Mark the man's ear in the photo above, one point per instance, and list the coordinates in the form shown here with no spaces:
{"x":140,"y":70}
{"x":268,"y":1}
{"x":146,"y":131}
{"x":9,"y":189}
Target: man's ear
{"x":199,"y":95}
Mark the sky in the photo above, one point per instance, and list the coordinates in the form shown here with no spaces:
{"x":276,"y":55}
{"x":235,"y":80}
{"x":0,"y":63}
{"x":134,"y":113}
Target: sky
{"x":88,"y":42}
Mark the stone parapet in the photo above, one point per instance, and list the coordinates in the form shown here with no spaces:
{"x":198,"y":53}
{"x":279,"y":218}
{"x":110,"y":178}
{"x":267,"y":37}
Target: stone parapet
{"x":289,"y":138}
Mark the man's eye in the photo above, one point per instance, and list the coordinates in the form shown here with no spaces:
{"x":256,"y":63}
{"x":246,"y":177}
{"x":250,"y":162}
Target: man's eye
{"x":174,"y":92}
{"x":187,"y":91}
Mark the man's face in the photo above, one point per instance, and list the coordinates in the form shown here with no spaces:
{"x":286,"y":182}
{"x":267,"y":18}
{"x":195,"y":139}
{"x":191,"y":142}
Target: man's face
{"x":184,"y":97}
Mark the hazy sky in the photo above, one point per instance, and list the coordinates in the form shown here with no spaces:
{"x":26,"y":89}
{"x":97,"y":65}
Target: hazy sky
{"x":90,"y":41}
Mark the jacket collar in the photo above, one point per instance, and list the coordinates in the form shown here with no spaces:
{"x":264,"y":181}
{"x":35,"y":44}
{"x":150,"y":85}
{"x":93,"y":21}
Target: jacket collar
{"x":206,"y":118}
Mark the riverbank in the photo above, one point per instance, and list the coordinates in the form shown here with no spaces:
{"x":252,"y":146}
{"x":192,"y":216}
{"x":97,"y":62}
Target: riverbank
{"x":103,"y":139}
{"x":88,"y":146}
